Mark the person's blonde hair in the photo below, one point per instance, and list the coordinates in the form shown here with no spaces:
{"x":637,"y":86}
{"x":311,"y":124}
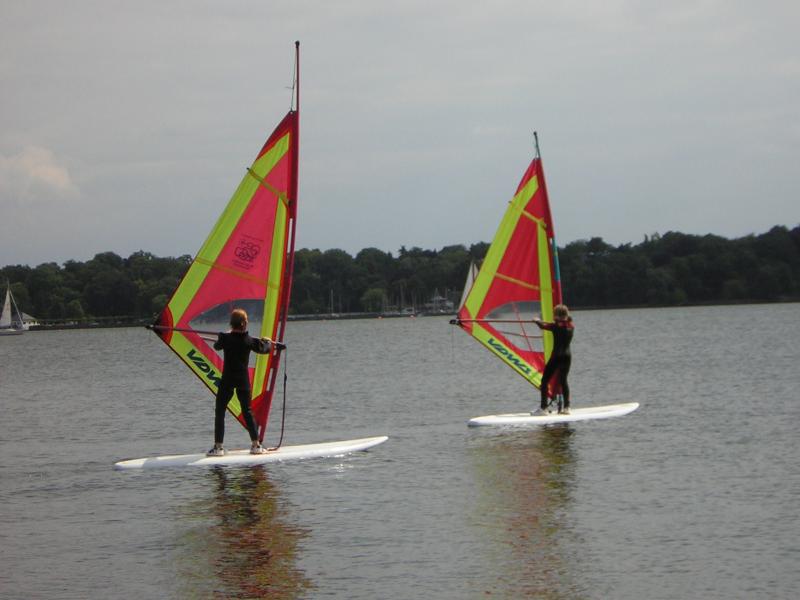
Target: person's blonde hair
{"x":561,"y":312}
{"x":238,"y":318}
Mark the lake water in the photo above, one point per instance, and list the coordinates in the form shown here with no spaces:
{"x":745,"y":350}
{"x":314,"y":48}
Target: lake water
{"x":695,"y":495}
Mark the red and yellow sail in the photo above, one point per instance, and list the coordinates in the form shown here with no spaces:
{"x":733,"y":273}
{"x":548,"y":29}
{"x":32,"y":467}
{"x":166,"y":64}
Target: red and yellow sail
{"x":246,"y":262}
{"x":518,"y":281}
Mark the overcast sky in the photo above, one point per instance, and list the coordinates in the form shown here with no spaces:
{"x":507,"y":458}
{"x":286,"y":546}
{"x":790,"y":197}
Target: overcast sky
{"x":128,"y":125}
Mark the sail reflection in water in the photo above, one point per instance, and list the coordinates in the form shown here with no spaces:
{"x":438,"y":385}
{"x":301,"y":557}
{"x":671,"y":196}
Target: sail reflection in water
{"x":249,"y":549}
{"x":526,"y":481}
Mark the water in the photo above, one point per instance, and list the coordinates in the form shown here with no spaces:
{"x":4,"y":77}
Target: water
{"x":695,"y":495}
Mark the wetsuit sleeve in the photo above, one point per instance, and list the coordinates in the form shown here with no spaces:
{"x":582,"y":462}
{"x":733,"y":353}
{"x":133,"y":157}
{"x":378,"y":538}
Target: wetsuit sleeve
{"x":218,"y":344}
{"x":543,"y":325}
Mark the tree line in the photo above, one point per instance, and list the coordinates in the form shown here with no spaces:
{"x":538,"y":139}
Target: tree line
{"x":663,"y":270}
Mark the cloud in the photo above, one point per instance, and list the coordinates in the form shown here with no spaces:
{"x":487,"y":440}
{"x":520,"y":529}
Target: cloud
{"x":33,"y":173}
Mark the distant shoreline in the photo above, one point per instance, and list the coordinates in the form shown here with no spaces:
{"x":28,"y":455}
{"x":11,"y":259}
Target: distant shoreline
{"x":121,"y":322}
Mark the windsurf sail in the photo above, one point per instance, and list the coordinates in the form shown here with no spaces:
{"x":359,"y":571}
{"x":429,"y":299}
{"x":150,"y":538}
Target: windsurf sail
{"x":246,"y":262}
{"x":518,"y":281}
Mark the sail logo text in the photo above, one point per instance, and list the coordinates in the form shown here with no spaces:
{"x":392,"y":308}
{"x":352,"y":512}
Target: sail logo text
{"x":246,"y":252}
{"x":509,"y":356}
{"x":200,"y":362}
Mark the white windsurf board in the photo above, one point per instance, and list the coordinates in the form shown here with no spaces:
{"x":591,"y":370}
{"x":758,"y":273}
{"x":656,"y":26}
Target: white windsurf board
{"x":243,"y":457}
{"x":576,"y":414}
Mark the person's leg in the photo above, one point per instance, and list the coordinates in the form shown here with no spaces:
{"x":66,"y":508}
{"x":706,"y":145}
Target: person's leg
{"x":224,"y":395}
{"x":244,"y":401}
{"x":549,"y":371}
{"x":563,"y":372}
{"x":243,"y":394}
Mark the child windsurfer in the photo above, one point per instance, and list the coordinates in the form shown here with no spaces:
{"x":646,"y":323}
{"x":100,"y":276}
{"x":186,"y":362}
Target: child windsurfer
{"x":236,"y":346}
{"x":561,"y":357}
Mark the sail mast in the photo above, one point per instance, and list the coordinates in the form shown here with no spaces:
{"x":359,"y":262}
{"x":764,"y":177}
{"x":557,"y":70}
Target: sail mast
{"x":557,"y":292}
{"x":286,"y":290}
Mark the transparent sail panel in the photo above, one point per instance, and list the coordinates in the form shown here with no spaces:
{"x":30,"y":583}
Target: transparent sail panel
{"x":218,"y":319}
{"x":514,"y":320}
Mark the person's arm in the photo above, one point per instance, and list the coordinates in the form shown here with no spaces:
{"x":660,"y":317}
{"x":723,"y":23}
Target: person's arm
{"x":218,"y":344}
{"x":542,"y":325}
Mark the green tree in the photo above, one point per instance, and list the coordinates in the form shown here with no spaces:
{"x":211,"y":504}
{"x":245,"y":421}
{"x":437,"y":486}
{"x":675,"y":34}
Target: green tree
{"x":669,"y":269}
{"x":74,"y":310}
{"x":110,"y":293}
{"x":44,"y":285}
{"x":373,"y":299}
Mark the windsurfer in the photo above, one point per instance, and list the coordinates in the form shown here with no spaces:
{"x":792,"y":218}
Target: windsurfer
{"x":236,"y":346}
{"x":561,"y":358}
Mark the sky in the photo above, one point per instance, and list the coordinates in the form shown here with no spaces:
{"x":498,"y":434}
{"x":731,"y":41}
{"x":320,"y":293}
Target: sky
{"x":126,"y":126}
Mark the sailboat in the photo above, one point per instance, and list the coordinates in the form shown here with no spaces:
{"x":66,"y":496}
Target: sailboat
{"x":11,"y":318}
{"x":472,"y":274}
{"x":246,"y":262}
{"x":518,"y":281}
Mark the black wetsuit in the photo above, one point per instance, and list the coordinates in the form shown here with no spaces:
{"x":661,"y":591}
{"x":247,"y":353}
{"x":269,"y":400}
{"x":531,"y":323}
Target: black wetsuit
{"x":236,"y":347}
{"x":560,"y":360}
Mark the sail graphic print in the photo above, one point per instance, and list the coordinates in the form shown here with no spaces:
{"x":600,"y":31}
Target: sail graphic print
{"x":246,"y":262}
{"x":518,"y":281}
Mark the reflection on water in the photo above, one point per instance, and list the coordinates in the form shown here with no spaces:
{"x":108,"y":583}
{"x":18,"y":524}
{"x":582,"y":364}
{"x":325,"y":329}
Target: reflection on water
{"x":525,"y":480}
{"x":245,"y":547}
